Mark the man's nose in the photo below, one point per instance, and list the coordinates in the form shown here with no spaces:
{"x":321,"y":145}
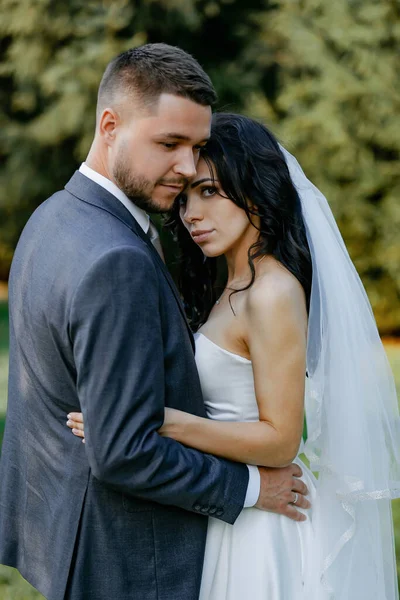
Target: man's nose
{"x":186,"y":166}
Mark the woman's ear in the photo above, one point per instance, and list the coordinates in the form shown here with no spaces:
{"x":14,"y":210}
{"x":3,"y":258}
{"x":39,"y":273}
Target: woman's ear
{"x":254,"y":215}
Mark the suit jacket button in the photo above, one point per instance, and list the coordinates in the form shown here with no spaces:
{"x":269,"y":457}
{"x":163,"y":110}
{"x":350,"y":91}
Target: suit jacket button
{"x":205,"y":509}
{"x":197,"y":506}
{"x":219,"y":512}
{"x":213,"y":510}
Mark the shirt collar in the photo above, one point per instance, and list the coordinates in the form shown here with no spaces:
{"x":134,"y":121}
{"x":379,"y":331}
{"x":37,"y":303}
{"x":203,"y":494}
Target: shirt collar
{"x":138,"y":214}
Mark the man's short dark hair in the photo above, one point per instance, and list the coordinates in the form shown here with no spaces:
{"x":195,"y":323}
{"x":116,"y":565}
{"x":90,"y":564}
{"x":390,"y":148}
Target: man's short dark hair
{"x":148,"y":71}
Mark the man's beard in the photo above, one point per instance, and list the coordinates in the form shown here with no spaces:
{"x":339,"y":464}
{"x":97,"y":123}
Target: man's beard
{"x":138,"y":189}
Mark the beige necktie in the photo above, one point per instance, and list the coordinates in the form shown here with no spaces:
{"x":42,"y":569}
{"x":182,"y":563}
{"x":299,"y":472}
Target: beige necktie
{"x":155,"y":239}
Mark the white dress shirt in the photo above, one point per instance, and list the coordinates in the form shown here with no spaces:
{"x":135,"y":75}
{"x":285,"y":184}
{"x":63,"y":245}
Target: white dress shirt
{"x":138,"y":214}
{"x":253,"y":488}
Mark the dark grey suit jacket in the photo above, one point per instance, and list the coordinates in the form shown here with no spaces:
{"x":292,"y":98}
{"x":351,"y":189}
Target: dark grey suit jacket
{"x":97,"y":325}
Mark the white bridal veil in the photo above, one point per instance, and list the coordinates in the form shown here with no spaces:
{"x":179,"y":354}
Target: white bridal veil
{"x":352,"y":420}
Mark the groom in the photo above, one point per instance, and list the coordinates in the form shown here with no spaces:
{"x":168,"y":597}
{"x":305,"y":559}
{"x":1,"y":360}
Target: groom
{"x":96,"y":325}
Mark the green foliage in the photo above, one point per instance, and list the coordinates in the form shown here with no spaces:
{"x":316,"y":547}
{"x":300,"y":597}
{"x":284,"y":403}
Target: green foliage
{"x":335,"y":105}
{"x":3,"y":361}
{"x":324,"y":75}
{"x":3,"y":327}
{"x":3,"y":365}
{"x":14,"y":587}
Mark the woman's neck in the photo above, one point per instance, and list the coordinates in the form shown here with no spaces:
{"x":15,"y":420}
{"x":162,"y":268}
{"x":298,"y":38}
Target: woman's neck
{"x":237,"y":260}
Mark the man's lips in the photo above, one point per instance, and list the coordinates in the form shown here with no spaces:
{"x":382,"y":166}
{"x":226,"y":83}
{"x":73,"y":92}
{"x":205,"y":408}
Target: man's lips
{"x":176,"y":186}
{"x":173,"y":188}
{"x":201,"y":235}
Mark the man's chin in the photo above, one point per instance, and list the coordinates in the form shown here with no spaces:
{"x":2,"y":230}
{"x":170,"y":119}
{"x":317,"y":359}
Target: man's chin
{"x":149,"y":205}
{"x":163,"y":201}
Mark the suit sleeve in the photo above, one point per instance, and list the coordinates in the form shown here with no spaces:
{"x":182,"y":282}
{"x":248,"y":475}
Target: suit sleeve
{"x":117,"y":342}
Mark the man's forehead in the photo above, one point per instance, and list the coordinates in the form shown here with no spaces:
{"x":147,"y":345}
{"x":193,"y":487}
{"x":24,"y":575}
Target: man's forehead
{"x":181,"y":121}
{"x":163,"y":106}
{"x":174,"y":117}
{"x":183,"y":111}
{"x":169,"y":101}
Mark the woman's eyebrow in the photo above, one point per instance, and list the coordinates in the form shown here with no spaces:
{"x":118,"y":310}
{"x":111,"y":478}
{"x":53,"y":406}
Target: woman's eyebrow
{"x":196,"y":183}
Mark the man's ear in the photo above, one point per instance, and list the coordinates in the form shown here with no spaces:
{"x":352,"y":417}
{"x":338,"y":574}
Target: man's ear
{"x":107,"y":125}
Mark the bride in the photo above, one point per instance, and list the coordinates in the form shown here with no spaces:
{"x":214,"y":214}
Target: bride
{"x":291,"y":329}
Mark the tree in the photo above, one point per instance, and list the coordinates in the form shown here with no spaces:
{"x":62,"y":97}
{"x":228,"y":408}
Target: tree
{"x":52,"y":55}
{"x":323,"y":75}
{"x":336,"y":105}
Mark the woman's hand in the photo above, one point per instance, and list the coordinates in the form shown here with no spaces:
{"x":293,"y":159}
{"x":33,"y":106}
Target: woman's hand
{"x":75,"y":422}
{"x":173,"y":427}
{"x":175,"y":422}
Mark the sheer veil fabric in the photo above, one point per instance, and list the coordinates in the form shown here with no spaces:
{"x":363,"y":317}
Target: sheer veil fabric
{"x":352,"y":420}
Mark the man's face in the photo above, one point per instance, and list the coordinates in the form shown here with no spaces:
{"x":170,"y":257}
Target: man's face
{"x":154,"y":152}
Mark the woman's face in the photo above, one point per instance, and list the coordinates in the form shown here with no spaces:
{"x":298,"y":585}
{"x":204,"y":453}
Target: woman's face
{"x":215,"y":223}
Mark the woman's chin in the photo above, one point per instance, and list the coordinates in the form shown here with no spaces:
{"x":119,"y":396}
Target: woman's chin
{"x":208,"y":253}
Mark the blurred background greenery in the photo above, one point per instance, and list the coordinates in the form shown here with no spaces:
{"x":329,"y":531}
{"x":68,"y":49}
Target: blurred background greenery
{"x":322,"y":75}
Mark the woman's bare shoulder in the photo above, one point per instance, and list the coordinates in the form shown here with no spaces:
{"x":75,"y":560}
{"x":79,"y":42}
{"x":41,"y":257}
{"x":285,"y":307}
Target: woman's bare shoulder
{"x":275,"y":289}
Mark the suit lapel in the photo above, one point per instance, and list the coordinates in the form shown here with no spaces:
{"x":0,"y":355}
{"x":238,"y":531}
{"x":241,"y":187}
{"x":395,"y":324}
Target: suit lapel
{"x":140,"y":233}
{"x":88,"y":191}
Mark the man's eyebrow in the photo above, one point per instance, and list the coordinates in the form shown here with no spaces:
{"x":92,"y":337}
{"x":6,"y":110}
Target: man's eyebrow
{"x":178,"y":136}
{"x":196,"y":183}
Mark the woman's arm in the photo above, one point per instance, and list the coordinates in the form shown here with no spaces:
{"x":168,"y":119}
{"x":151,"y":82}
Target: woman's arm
{"x":276,"y":324}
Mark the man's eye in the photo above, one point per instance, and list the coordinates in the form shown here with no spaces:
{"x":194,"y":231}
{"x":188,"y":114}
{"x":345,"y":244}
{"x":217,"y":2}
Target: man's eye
{"x":169,"y":145}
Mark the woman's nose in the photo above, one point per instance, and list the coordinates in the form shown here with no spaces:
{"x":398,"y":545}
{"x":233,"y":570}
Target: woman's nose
{"x":192,"y":212}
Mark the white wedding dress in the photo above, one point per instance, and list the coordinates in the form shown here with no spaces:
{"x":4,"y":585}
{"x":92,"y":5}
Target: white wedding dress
{"x":263,"y":556}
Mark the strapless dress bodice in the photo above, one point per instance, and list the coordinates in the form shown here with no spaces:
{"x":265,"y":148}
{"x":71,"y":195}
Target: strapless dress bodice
{"x":227,"y":382}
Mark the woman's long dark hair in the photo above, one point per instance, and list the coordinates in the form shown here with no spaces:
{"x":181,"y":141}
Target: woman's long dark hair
{"x":250,"y":167}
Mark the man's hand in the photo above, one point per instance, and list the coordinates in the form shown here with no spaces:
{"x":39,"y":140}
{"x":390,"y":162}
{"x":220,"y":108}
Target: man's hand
{"x":282,"y":492}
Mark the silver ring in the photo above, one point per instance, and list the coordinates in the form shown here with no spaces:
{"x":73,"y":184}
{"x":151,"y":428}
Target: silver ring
{"x":296,"y":497}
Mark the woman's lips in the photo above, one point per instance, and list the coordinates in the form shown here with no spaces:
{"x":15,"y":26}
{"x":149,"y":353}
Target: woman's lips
{"x":201,"y":235}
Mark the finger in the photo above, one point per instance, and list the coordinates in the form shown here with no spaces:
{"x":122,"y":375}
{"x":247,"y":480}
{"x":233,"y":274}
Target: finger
{"x":75,"y":425}
{"x":77,"y":417}
{"x":78,"y":433}
{"x":299,"y":486}
{"x":295,"y":514}
{"x":302,"y":502}
{"x":296,"y":471}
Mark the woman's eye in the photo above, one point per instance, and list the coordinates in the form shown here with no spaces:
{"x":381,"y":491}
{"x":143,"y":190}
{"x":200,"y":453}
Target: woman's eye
{"x":209,"y":191}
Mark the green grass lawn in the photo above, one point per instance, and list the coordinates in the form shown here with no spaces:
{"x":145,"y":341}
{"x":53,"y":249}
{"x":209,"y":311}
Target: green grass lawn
{"x":3,"y":363}
{"x":12,"y":586}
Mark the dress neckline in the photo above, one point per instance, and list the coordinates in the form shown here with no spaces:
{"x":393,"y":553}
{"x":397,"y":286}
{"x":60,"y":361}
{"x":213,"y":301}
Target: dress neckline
{"x":238,"y":356}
